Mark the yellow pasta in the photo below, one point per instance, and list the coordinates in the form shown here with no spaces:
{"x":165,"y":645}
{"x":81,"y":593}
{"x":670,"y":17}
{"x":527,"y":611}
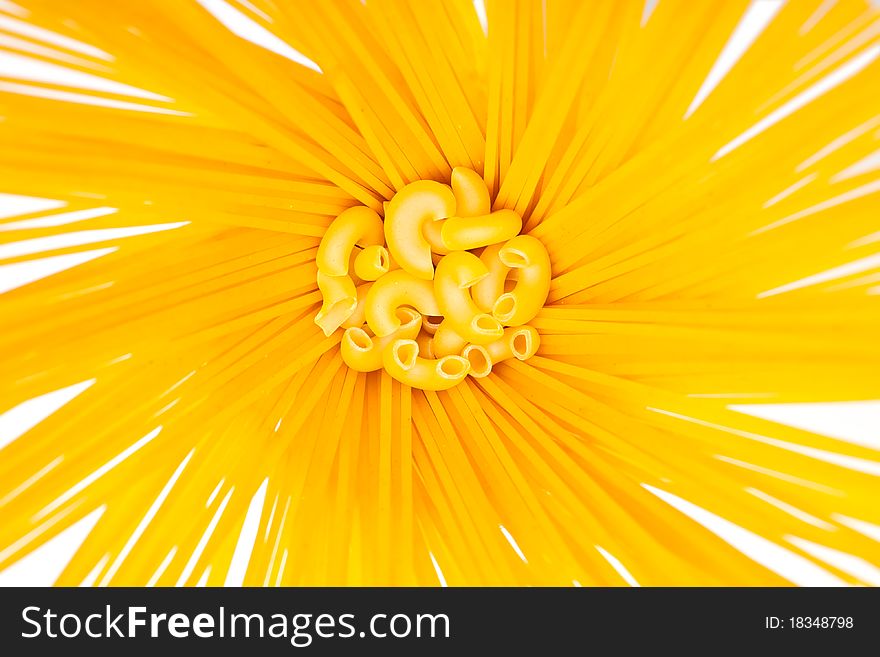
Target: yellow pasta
{"x":363,"y":353}
{"x":358,"y":316}
{"x":407,"y":213}
{"x":450,"y":319}
{"x":471,"y":193}
{"x":432,"y":230}
{"x":424,"y":340}
{"x":528,"y":256}
{"x":393,"y":290}
{"x":371,"y":263}
{"x":446,"y":342}
{"x":358,"y":225}
{"x":487,"y":290}
{"x":456,"y":274}
{"x":402,"y":362}
{"x":466,"y":233}
{"x":519,"y":342}
{"x":709,"y":252}
{"x":340,"y":301}
{"x":479,"y":359}
{"x":430,"y":323}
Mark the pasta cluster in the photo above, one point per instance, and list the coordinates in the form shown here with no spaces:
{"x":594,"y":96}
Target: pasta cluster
{"x":440,"y":289}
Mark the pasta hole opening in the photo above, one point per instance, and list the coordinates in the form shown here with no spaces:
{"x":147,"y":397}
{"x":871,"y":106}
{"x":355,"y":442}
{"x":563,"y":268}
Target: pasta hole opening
{"x":487,"y":325}
{"x":504,"y":307}
{"x":453,"y":367}
{"x":359,"y":339}
{"x":408,"y":317}
{"x":521,"y":344}
{"x":337,"y":313}
{"x":479,"y":359}
{"x":405,"y":352}
{"x":513,"y":258}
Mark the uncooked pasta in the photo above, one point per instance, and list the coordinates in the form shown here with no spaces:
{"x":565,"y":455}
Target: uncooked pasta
{"x":440,"y":292}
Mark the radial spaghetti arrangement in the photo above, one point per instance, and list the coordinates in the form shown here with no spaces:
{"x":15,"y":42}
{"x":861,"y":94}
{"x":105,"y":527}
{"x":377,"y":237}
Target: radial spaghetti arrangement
{"x":440,"y":292}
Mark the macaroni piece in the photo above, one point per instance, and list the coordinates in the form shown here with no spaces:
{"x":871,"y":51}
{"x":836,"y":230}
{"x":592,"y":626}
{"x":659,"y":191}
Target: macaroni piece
{"x":340,"y":301}
{"x":363,"y":352}
{"x":411,"y":208}
{"x":425,"y":346}
{"x":465,"y":233}
{"x":520,"y":342}
{"x":358,"y":225}
{"x":456,"y":273}
{"x":402,"y":362}
{"x":480,"y":360}
{"x":393,"y":290}
{"x":471,"y":200}
{"x":432,"y":230}
{"x":371,"y":263}
{"x":471,"y":193}
{"x":430,"y":323}
{"x":487,"y":290}
{"x":446,"y":341}
{"x":526,"y":254}
{"x":358,"y":317}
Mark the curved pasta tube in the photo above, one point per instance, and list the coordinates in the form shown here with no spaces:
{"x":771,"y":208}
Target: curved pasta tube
{"x":471,"y":200}
{"x":357,"y":225}
{"x":355,"y":252}
{"x":411,"y":208}
{"x":432,"y":232}
{"x":487,"y":290}
{"x":371,"y":263}
{"x":357,"y":318}
{"x":363,"y":352}
{"x":471,"y":193}
{"x":395,"y":289}
{"x":446,"y":342}
{"x":530,"y":258}
{"x":340,"y":301}
{"x":520,"y":342}
{"x":456,"y":273}
{"x":465,"y":233}
{"x":402,"y":362}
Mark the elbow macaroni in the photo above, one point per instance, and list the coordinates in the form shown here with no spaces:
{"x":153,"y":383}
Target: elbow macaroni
{"x":396,"y":289}
{"x":455,"y":274}
{"x":402,"y":362}
{"x":358,"y":317}
{"x":371,"y":263}
{"x":465,"y":233}
{"x":471,"y":194}
{"x":363,"y":352}
{"x":530,"y":258}
{"x":520,"y":342}
{"x":412,"y":297}
{"x":340,"y":301}
{"x":411,"y":208}
{"x":358,"y":225}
